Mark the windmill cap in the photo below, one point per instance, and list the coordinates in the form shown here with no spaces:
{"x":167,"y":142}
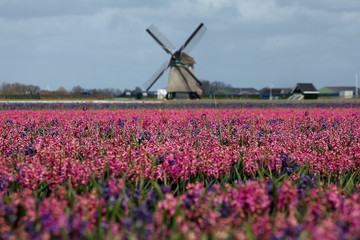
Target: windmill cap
{"x":186,"y":59}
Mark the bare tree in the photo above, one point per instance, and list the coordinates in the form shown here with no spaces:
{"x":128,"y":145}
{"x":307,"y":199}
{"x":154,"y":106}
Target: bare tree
{"x":77,"y":90}
{"x":205,"y":88}
{"x":62,"y":90}
{"x":137,"y":90}
{"x":18,"y":88}
{"x":213,"y":86}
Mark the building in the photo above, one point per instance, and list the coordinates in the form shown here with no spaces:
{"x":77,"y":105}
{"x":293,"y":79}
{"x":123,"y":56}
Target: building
{"x":224,"y":93}
{"x":338,"y":92}
{"x":161,"y":94}
{"x":275,"y":93}
{"x":237,"y":93}
{"x":246,"y":92}
{"x":304,"y":91}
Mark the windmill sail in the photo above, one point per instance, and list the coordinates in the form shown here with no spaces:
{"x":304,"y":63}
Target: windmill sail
{"x":151,"y":81}
{"x":193,"y":39}
{"x":161,"y":39}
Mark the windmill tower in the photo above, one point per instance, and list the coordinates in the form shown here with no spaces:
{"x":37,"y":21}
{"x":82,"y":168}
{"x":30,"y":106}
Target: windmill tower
{"x":182,"y":76}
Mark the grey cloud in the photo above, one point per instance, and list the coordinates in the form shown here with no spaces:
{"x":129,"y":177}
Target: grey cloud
{"x":44,"y":8}
{"x":249,"y":43}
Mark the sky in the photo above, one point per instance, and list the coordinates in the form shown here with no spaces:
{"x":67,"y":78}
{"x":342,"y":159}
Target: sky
{"x":248,"y":43}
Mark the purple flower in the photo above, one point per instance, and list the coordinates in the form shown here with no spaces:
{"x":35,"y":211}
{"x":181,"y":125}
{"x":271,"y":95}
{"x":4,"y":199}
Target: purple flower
{"x":9,"y":122}
{"x":3,"y":184}
{"x":269,"y":186}
{"x":288,"y":165}
{"x":137,"y":196}
{"x":166,"y":189}
{"x":30,"y":150}
{"x":127,"y":222}
{"x":55,"y":122}
{"x":151,"y":198}
{"x":291,"y":232}
{"x":22,"y":134}
{"x":142,"y":215}
{"x":142,"y":136}
{"x":307,"y":182}
{"x":121,"y":123}
{"x":193,"y":121}
{"x":160,"y":160}
{"x":225,"y":209}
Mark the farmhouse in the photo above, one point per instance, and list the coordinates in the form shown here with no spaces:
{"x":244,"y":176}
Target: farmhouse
{"x":304,"y":91}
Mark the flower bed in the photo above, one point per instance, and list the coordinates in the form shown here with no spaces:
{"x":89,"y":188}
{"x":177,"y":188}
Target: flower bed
{"x":241,"y":173}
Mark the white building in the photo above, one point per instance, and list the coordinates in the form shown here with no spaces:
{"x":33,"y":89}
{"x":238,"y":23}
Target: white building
{"x":161,"y":93}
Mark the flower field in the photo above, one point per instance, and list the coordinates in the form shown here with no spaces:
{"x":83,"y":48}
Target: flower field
{"x":259,"y":173}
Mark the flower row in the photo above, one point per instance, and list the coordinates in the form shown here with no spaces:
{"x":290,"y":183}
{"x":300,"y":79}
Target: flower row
{"x":57,"y":146}
{"x":251,"y":210}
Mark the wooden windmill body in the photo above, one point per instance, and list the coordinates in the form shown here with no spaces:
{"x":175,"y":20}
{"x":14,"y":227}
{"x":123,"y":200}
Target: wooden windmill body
{"x":176,"y":82}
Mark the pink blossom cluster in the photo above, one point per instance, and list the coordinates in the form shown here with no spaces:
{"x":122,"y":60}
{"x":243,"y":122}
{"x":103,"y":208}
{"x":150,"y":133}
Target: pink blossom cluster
{"x":55,"y":146}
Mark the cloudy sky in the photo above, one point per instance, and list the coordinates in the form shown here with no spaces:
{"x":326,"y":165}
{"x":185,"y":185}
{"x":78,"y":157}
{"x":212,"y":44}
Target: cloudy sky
{"x":249,"y":43}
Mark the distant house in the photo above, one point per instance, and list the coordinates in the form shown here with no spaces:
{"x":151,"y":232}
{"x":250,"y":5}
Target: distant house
{"x":143,"y":94}
{"x":275,"y":93}
{"x":341,"y":92}
{"x":127,"y":94}
{"x":149,"y":94}
{"x":237,"y":93}
{"x":304,"y":91}
{"x":327,"y":92}
{"x":85,"y":93}
{"x":224,"y":93}
{"x":245,"y":92}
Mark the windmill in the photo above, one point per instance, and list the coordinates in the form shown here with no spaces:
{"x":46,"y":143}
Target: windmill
{"x":181,"y":64}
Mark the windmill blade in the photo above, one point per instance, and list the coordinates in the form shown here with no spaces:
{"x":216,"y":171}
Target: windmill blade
{"x":184,"y":78}
{"x":191,"y":74}
{"x":193,"y":39}
{"x":161,"y":39}
{"x":151,"y":81}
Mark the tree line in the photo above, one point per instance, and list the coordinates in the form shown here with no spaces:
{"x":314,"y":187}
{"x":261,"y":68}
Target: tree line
{"x":19,"y":89}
